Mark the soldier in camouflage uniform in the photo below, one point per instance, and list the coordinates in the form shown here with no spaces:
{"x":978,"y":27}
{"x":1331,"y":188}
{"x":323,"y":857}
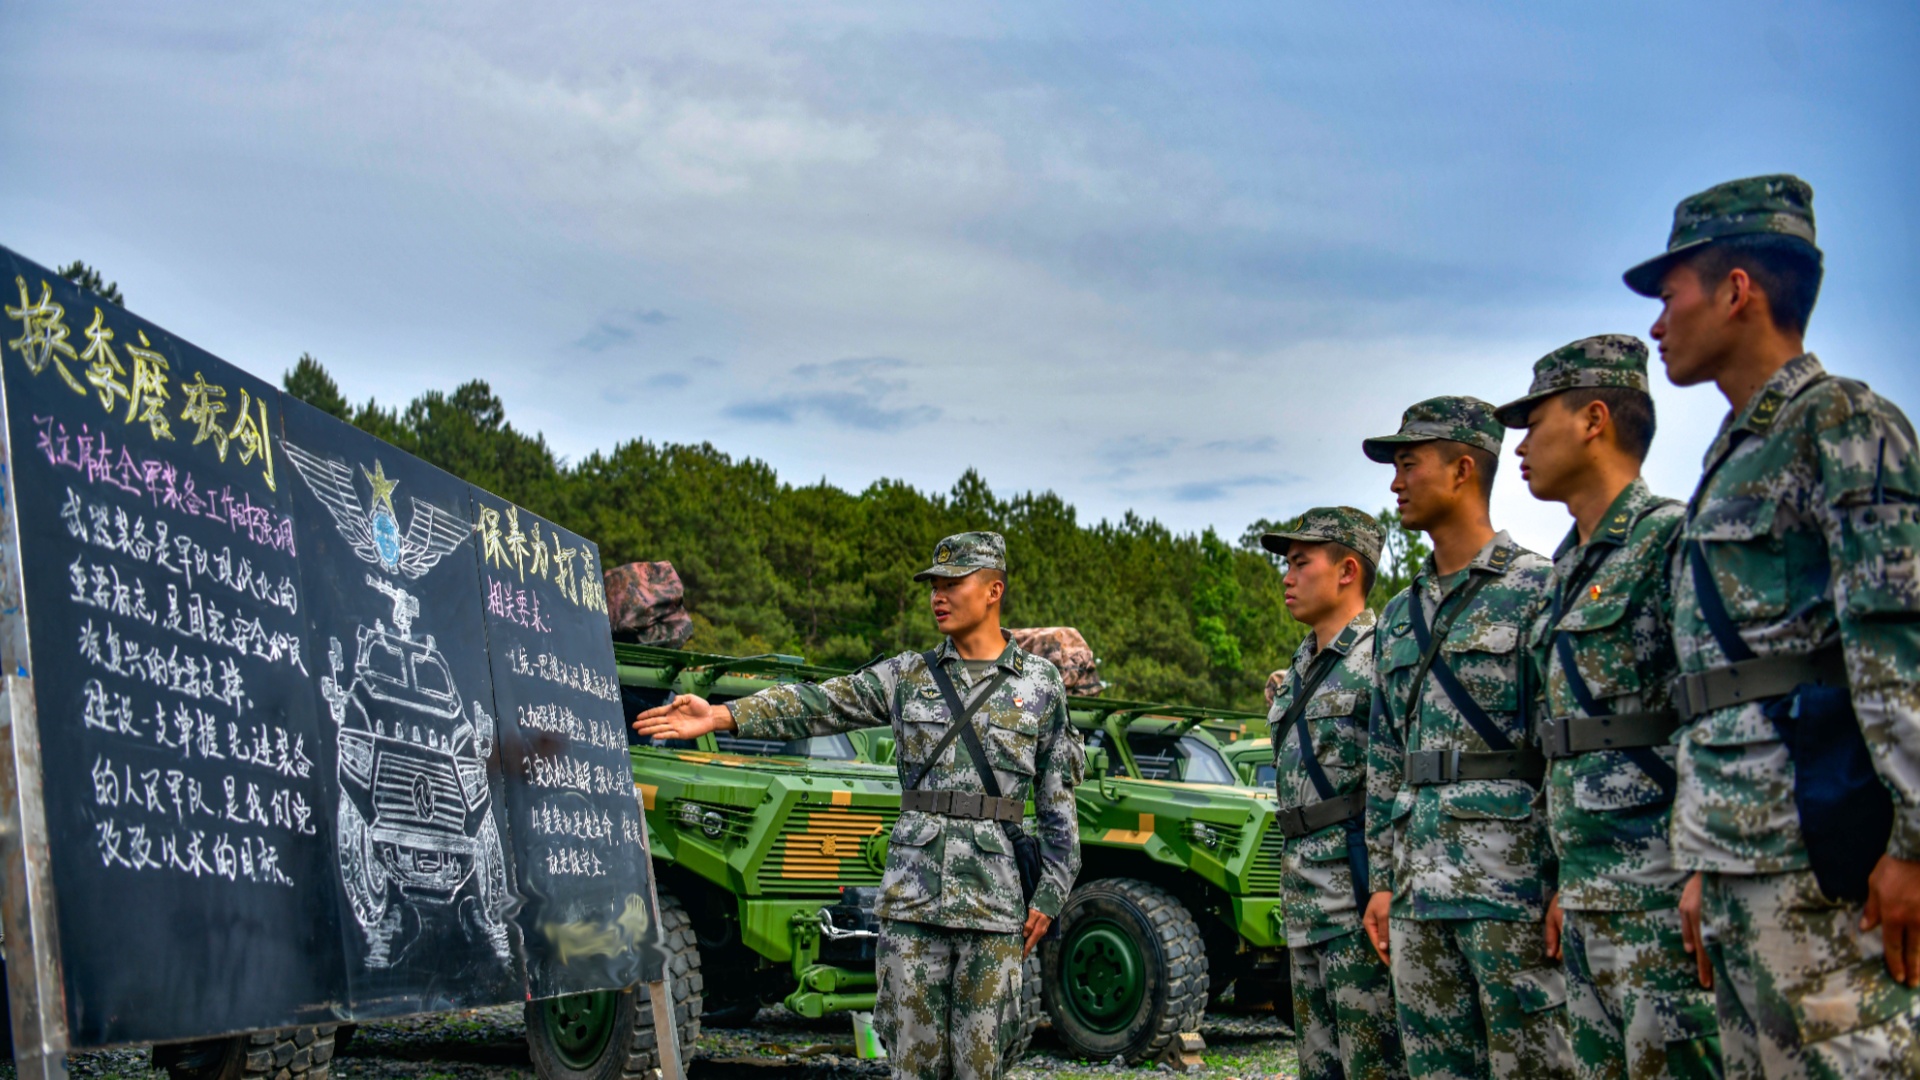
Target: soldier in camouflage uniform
{"x":953,"y":928}
{"x":1603,"y":656}
{"x":1456,"y":844}
{"x":1343,"y":1015}
{"x":1796,"y":609}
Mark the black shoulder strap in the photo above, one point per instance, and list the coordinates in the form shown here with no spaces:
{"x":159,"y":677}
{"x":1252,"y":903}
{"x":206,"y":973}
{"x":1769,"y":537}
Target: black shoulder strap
{"x":1431,"y":661}
{"x":1649,"y":761}
{"x":960,"y":723}
{"x":1296,"y":716}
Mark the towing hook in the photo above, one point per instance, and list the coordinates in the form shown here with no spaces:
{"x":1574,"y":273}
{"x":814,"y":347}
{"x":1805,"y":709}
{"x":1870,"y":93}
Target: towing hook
{"x":834,"y":933}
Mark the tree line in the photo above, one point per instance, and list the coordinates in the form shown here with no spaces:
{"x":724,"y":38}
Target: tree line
{"x":823,"y":573}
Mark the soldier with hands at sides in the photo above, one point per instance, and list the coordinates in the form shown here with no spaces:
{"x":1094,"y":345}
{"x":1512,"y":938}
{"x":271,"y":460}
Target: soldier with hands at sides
{"x":981,"y":727}
{"x":1796,"y":622}
{"x":1603,"y":656}
{"x":1342,"y":992}
{"x":1456,"y":842}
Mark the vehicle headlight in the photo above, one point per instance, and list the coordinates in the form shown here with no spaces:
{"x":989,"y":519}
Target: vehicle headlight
{"x":712,"y":824}
{"x":356,"y":756}
{"x":1203,"y":834}
{"x":473,"y":780}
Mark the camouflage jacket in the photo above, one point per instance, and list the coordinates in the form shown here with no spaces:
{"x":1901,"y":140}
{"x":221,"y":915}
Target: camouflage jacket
{"x":1810,"y":528}
{"x":1608,"y":817}
{"x":1316,"y":883}
{"x":1476,"y":849}
{"x":947,"y":871}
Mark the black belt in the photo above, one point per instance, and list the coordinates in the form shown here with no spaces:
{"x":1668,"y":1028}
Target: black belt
{"x":1570,"y":735}
{"x":963,"y":804}
{"x":1297,"y":821}
{"x":1449,"y":766}
{"x":1756,"y":680}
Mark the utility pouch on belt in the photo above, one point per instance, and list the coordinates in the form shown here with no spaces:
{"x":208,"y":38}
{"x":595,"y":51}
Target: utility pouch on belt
{"x":1846,"y":812}
{"x":1026,"y":850}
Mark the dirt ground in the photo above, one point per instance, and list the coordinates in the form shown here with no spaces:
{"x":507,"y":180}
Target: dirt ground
{"x":490,"y":1044}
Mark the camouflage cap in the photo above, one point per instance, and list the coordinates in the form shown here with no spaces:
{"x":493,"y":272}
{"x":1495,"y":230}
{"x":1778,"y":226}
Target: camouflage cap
{"x":1357,"y":529}
{"x":1462,"y":419}
{"x":963,"y":553}
{"x":1781,"y":205}
{"x":1604,"y":360}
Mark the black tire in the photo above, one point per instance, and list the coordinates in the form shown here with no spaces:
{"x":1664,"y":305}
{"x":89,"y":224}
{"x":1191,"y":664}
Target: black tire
{"x":1032,"y":1008}
{"x":302,"y":1053}
{"x":629,"y":1051}
{"x":1165,"y":992}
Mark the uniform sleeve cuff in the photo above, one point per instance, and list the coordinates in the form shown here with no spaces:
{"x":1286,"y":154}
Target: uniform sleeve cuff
{"x":1047,"y":901}
{"x":746,"y":723}
{"x":1905,"y":841}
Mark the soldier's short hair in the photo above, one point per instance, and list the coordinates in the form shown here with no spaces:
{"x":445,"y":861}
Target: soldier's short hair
{"x":1484,"y":464}
{"x":1368,"y":571}
{"x":1632,"y":412}
{"x":1786,"y":268}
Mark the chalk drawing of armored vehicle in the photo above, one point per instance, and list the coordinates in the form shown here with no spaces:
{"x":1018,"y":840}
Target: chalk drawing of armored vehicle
{"x":415,"y":825}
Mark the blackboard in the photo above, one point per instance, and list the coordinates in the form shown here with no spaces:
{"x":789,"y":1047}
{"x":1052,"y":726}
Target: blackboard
{"x":324,"y":732}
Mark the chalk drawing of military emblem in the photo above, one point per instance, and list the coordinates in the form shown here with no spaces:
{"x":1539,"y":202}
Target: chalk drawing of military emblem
{"x":415,"y":822}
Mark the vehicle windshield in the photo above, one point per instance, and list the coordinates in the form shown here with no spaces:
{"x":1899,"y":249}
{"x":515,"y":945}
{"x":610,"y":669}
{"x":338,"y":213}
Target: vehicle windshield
{"x":1188,"y":759}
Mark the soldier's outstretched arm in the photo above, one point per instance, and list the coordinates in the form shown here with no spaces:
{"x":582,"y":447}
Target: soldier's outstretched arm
{"x":1870,"y":475}
{"x":792,"y":711}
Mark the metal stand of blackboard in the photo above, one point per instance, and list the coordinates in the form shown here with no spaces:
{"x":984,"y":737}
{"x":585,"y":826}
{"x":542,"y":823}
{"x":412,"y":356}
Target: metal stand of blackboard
{"x":34,"y":981}
{"x":666,"y":1033}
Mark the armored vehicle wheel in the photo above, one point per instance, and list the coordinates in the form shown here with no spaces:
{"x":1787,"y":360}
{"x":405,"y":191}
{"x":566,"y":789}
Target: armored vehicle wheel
{"x":303,"y":1053}
{"x":361,"y":871}
{"x":608,"y":1035}
{"x":1129,"y":972}
{"x":1031,"y":1007}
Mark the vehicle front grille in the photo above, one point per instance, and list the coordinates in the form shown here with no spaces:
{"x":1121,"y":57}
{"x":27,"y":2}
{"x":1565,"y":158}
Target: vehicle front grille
{"x":398,"y":784}
{"x":823,"y":848}
{"x":1263,"y":876}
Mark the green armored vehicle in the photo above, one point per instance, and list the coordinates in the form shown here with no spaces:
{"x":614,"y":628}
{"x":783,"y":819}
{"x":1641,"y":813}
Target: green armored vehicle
{"x":769,"y":856}
{"x":1252,"y":761}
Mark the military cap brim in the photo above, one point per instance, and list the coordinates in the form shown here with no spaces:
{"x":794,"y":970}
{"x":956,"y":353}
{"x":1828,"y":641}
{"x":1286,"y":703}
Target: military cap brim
{"x":1514,"y":414}
{"x":1381,"y":448}
{"x":948,"y":571}
{"x":1277,"y":542}
{"x":1645,"y":279}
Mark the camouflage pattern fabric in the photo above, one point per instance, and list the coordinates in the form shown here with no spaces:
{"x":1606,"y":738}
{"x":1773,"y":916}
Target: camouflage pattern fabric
{"x":1474,"y":849}
{"x":1604,"y":360}
{"x":1607,"y":817}
{"x":647,"y":603}
{"x":1065,"y":649}
{"x":947,"y":871}
{"x":1356,"y":529}
{"x":1316,"y":882}
{"x":948,"y":1002}
{"x":1478,"y":998}
{"x":1461,"y":419}
{"x":1800,"y":990}
{"x":1811,"y":529}
{"x":963,"y":553}
{"x":1343,"y":1019}
{"x":1781,"y":205}
{"x":1635,"y":1009}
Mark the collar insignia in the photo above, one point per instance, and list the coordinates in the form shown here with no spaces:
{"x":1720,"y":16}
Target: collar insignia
{"x":1768,"y":408}
{"x":1500,"y":558}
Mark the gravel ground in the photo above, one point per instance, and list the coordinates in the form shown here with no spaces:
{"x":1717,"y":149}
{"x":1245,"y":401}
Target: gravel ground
{"x":490,"y":1044}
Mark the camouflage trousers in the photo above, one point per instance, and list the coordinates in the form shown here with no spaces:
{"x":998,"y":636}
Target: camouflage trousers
{"x":1799,"y":989}
{"x":948,"y":1001}
{"x":1635,"y":1008}
{"x":1343,"y":1015}
{"x":1478,"y":998}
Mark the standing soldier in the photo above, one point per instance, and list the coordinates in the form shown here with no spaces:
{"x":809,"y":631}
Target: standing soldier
{"x":1603,"y":651}
{"x":953,"y":926}
{"x":1796,"y":617}
{"x":1342,"y":992}
{"x":1460,"y":859}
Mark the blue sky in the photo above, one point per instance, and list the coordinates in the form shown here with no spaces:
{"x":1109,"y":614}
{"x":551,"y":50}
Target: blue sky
{"x":1174,"y":259}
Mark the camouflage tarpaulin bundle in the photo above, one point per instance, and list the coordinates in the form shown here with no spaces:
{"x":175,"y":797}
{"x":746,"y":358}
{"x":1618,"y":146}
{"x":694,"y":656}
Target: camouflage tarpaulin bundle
{"x":647,"y":604}
{"x":1274,"y":682}
{"x":1068,"y":651}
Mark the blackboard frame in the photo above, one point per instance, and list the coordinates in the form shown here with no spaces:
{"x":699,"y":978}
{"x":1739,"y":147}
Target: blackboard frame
{"x":42,"y":974}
